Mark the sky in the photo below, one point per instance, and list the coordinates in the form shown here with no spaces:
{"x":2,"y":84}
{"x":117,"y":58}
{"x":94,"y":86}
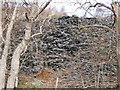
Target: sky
{"x":70,"y":6}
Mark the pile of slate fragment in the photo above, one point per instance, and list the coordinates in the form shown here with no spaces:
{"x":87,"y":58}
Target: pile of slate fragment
{"x":69,"y":46}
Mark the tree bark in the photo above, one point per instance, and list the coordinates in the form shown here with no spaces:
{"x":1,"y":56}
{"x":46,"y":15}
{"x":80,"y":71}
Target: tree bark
{"x":20,"y":48}
{"x":1,"y":30}
{"x":5,"y":50}
{"x":16,"y":55}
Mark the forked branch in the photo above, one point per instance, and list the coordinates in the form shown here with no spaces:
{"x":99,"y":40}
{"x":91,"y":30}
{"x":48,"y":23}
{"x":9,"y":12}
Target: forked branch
{"x":41,"y":10}
{"x":108,"y":7}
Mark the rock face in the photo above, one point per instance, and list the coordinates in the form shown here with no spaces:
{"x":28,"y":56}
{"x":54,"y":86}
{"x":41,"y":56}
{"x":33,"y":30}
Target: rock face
{"x":65,"y":46}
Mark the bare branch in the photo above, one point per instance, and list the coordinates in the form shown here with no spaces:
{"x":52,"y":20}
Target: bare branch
{"x":41,"y":27}
{"x":82,"y":7}
{"x":95,"y":5}
{"x":41,"y":10}
{"x":34,"y":35}
{"x":110,"y":8}
{"x":98,"y":26}
{"x":101,"y":4}
{"x":26,"y":3}
{"x":26,"y":16}
{"x":20,"y":49}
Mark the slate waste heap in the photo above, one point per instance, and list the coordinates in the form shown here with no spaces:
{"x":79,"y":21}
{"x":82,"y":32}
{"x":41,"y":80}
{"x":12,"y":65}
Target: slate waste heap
{"x":64,"y":45}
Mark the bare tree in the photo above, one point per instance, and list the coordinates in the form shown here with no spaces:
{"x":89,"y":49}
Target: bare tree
{"x":20,"y":48}
{"x":1,"y":37}
{"x":5,"y":50}
{"x":31,"y":18}
{"x":1,"y":31}
{"x":115,"y":9}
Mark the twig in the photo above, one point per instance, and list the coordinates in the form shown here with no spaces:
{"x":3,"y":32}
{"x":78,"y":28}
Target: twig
{"x":41,"y":27}
{"x":82,"y":7}
{"x":39,"y":12}
{"x":101,"y":4}
{"x":110,"y":8}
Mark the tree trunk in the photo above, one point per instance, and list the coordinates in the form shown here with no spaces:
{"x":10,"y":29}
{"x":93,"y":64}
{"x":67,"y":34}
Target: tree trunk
{"x":1,"y":30}
{"x":20,"y":48}
{"x":5,"y":50}
{"x":1,"y":81}
{"x":16,"y":55}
